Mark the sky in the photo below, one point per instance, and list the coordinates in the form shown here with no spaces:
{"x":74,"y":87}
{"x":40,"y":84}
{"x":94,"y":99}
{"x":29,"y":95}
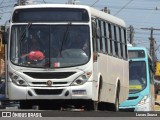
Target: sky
{"x":138,"y":13}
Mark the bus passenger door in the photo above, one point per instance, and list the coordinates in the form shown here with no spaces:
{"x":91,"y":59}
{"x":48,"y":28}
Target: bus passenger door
{"x":95,"y":65}
{"x":99,"y":60}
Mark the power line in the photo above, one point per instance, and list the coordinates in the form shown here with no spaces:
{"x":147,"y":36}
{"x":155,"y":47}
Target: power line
{"x":1,"y":2}
{"x":94,"y":3}
{"x":149,"y":16}
{"x":145,"y":33}
{"x":123,"y":7}
{"x":146,"y":9}
{"x":133,"y":8}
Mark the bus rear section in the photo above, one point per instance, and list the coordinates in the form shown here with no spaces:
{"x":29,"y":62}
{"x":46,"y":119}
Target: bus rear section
{"x":141,"y":90}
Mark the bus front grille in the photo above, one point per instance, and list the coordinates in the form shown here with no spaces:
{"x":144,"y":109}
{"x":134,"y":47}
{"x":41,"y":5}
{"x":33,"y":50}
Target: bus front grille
{"x":132,"y":98}
{"x":45,"y":83}
{"x":48,"y":91}
{"x":49,"y":75}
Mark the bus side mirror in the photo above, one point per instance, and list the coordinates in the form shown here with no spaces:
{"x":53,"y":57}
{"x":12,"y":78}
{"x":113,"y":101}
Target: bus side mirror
{"x":5,"y":38}
{"x":6,"y":32}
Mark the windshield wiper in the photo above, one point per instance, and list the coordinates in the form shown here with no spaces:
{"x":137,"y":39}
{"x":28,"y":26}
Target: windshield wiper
{"x":65,"y":37}
{"x":24,"y":31}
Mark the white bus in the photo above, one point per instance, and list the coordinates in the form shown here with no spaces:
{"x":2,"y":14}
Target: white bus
{"x":80,"y":56}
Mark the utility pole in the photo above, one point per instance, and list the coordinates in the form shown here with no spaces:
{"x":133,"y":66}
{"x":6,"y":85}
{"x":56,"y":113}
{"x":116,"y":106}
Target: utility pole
{"x":152,"y":42}
{"x":30,"y":2}
{"x":73,"y":1}
{"x":21,"y":2}
{"x":106,"y":10}
{"x":131,"y":34}
{"x":70,"y":1}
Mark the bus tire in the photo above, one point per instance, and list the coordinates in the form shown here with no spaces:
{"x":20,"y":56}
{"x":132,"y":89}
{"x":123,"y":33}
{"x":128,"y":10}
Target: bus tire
{"x":115,"y":106}
{"x":96,"y":103}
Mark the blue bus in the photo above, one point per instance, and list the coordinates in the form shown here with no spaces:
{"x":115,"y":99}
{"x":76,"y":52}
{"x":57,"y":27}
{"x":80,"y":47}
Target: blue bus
{"x":141,"y":81}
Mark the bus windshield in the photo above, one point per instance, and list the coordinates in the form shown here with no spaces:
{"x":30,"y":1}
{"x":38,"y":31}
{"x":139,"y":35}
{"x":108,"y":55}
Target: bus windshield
{"x":50,"y":45}
{"x":137,"y":76}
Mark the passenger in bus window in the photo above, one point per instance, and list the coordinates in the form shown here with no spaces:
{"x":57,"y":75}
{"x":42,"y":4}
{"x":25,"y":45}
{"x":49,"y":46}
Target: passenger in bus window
{"x":35,"y":50}
{"x":44,"y":44}
{"x":80,"y":42}
{"x":57,"y":43}
{"x":35,"y":44}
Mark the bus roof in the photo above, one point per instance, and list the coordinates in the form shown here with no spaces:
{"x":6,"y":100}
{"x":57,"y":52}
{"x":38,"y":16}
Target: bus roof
{"x":93,"y":11}
{"x":140,"y":48}
{"x":136,"y":48}
{"x":107,"y":17}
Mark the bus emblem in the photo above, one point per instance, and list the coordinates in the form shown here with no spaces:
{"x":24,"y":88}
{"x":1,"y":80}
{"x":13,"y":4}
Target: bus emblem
{"x":49,"y":82}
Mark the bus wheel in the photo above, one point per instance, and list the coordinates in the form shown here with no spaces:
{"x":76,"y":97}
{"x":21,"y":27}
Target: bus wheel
{"x":24,"y":104}
{"x":95,"y":105}
{"x":115,"y":106}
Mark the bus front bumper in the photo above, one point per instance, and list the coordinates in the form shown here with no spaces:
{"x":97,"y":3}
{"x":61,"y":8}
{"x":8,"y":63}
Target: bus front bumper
{"x":144,"y":107}
{"x":69,"y":92}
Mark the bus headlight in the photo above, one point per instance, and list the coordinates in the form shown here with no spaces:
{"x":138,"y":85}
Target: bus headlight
{"x":81,"y":79}
{"x":17,"y":80}
{"x":144,"y":100}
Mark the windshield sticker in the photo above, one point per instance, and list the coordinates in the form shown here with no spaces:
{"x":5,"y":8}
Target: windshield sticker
{"x":56,"y":64}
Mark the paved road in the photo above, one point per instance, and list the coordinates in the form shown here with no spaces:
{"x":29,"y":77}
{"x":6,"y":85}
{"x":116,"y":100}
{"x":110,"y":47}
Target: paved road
{"x":76,"y":115}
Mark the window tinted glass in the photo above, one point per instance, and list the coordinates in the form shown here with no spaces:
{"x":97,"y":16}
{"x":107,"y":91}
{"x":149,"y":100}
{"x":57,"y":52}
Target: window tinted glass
{"x":50,"y":15}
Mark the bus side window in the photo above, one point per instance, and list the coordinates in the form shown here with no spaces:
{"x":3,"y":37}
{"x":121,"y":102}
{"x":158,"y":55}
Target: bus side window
{"x":110,"y":37}
{"x":94,"y":34}
{"x":98,"y":36}
{"x":123,"y":43}
{"x":103,"y":45}
{"x":126,"y":51}
{"x":94,"y":37}
{"x":105,"y":36}
{"x":113,"y":40}
{"x":94,"y":29}
{"x":118,"y":42}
